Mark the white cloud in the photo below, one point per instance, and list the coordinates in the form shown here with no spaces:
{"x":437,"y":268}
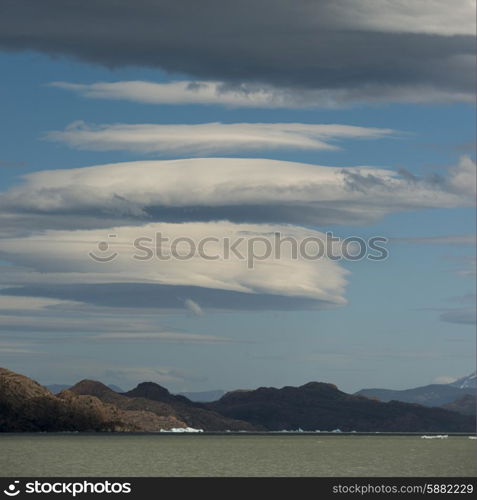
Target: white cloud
{"x":27,"y":304}
{"x":177,"y":92}
{"x":433,"y":17}
{"x":251,"y":95}
{"x":231,"y":188}
{"x":64,"y":256}
{"x":207,"y":138}
{"x":462,"y":177}
{"x":193,"y":307}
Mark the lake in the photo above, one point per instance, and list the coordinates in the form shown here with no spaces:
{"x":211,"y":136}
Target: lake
{"x":234,"y":455}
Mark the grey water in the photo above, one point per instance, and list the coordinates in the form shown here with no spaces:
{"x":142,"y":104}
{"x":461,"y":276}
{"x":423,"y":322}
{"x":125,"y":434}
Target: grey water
{"x":234,"y":455}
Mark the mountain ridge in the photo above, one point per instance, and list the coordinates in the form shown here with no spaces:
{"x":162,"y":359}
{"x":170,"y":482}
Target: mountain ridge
{"x":322,"y":406}
{"x":90,"y":405}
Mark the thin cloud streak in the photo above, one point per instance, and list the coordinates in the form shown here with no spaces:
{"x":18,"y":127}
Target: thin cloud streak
{"x":209,"y":138}
{"x":252,"y":95}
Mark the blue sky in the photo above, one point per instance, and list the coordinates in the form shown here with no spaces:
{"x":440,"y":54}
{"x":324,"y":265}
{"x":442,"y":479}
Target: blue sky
{"x":403,"y":322}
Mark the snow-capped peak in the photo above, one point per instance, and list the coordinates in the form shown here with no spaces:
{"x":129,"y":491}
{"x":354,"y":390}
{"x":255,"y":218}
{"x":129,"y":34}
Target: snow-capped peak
{"x":469,"y":382}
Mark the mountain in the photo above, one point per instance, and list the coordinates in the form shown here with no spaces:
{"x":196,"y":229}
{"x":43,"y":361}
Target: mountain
{"x":428,"y":395}
{"x":469,"y":382}
{"x":26,"y":406}
{"x":194,"y":414}
{"x":320,"y":406}
{"x":90,"y":405}
{"x":465,"y":405}
{"x":203,"y":396}
{"x":57,"y":388}
{"x":140,"y":414}
{"x":155,"y":392}
{"x":176,"y":411}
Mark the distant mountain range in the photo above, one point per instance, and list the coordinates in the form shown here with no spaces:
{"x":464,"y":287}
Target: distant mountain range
{"x":90,"y":405}
{"x":428,"y":395}
{"x":203,"y":396}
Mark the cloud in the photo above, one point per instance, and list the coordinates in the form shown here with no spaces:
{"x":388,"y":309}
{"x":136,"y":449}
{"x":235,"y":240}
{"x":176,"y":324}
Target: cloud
{"x":193,"y":307}
{"x":16,"y":348}
{"x":65,"y":257}
{"x":459,"y":316}
{"x":240,"y":190}
{"x":366,"y":46}
{"x":173,"y":337}
{"x":433,"y":17}
{"x":467,"y":264}
{"x":70,"y":322}
{"x":208,"y":138}
{"x":139,"y":297}
{"x":253,"y":95}
{"x":463,"y":299}
{"x":78,"y":322}
{"x":26,"y":304}
{"x":444,"y":379}
{"x":67,"y":321}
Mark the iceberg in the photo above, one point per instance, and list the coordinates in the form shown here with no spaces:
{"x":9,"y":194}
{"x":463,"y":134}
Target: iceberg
{"x":182,"y":430}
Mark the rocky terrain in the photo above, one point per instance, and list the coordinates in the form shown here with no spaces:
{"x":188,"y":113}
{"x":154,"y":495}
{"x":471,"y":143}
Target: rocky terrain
{"x":25,"y":405}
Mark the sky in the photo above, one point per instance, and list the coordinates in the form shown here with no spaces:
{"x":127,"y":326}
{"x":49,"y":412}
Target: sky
{"x":233,"y":121}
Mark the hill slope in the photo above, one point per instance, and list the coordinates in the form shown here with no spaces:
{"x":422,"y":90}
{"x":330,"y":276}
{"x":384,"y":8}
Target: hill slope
{"x":25,"y":405}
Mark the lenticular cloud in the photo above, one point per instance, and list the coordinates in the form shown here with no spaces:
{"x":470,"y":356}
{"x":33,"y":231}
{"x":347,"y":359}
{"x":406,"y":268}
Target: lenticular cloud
{"x":240,"y":190}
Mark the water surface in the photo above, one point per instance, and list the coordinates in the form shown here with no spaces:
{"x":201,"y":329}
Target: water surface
{"x":234,"y":455}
